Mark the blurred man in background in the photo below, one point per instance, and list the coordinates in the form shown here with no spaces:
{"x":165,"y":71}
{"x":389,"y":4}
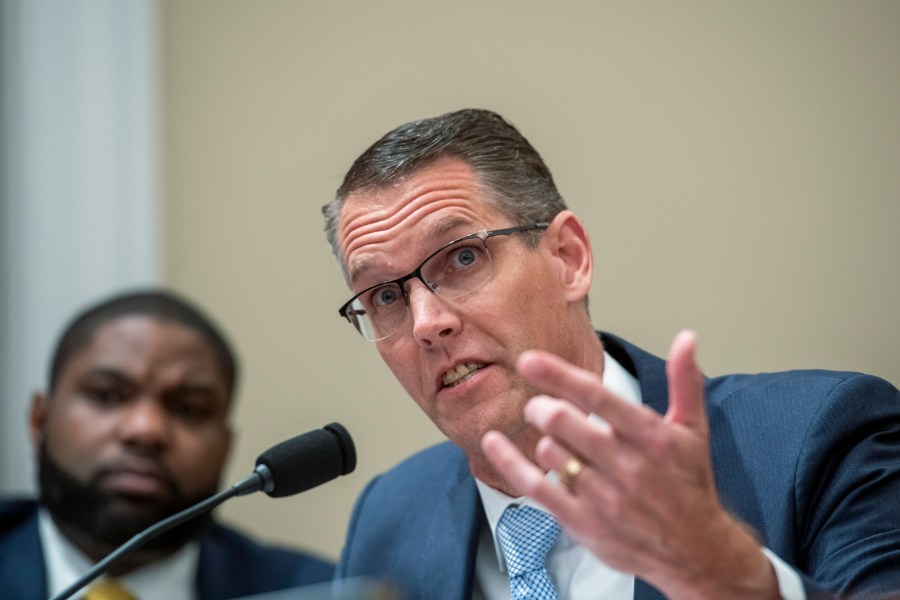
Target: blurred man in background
{"x":134,"y":427}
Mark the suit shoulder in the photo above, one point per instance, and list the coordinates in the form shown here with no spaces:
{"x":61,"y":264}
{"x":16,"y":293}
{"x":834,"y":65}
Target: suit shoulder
{"x":13,"y":512}
{"x":440,"y":453}
{"x":424,"y":478}
{"x":788,"y":407}
{"x":432,"y":466}
{"x":819,"y":384}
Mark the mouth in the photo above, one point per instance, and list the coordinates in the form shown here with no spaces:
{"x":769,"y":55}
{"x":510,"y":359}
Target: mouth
{"x":136,"y":483}
{"x":460,"y":373}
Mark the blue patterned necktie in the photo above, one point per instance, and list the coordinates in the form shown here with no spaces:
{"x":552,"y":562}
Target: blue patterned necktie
{"x":526,"y":535}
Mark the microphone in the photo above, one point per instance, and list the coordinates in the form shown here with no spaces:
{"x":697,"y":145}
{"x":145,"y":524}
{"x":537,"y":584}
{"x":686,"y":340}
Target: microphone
{"x":288,"y":468}
{"x":327,"y":453}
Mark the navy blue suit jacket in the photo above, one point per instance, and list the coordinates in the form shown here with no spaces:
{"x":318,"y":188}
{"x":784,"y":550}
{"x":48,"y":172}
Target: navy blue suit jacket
{"x":231,"y":565}
{"x":809,"y":459}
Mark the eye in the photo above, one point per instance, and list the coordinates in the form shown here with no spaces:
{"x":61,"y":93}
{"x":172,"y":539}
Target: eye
{"x":191,"y":411}
{"x":191,"y":407}
{"x":106,"y":397}
{"x":385,"y":296}
{"x":465,"y":256}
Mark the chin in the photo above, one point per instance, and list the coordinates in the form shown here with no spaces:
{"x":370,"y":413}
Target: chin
{"x":467,"y":434}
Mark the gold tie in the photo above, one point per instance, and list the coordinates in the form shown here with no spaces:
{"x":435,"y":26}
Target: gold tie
{"x":108,"y":589}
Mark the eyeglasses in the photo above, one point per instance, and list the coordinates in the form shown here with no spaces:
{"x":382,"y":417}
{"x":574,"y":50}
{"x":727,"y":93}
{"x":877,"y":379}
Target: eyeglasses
{"x":460,"y":267}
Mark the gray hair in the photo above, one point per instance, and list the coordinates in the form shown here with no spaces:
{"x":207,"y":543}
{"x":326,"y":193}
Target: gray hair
{"x":511,"y":170}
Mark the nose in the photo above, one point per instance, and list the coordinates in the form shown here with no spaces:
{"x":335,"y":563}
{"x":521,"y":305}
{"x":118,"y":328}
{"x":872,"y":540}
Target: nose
{"x":145,"y":424}
{"x":433,"y":319}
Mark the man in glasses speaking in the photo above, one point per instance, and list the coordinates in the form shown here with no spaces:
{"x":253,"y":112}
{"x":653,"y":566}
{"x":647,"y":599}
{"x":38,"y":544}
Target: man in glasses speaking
{"x":579,"y":466}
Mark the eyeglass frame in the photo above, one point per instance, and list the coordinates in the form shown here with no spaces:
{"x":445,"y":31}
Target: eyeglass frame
{"x":483,"y":234}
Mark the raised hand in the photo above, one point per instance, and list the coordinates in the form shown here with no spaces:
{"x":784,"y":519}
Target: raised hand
{"x":644,"y":499}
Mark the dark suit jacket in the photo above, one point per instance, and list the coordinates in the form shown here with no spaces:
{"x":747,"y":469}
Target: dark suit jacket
{"x":231,"y":565}
{"x":809,"y":459}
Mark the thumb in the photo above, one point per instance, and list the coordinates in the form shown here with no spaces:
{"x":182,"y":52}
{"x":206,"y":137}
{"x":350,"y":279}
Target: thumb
{"x":686,"y":397}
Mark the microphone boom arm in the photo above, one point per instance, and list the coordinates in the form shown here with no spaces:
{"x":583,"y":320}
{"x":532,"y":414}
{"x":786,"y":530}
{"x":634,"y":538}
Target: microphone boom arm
{"x":288,"y":468}
{"x":259,"y":479}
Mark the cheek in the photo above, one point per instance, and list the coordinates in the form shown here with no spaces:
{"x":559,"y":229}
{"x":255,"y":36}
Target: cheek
{"x":403,"y":361}
{"x":409,"y":376}
{"x":199,"y":459}
{"x":401,"y":358}
{"x":537,"y":298}
{"x":77,"y":441}
{"x":519,"y":291}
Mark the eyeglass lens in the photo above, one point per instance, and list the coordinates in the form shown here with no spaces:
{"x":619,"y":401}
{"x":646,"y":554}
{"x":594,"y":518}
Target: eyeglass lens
{"x":457,"y":269}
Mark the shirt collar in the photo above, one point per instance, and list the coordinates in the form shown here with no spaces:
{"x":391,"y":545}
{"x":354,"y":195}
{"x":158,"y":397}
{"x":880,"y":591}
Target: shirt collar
{"x":617,"y":380}
{"x":172,"y":577}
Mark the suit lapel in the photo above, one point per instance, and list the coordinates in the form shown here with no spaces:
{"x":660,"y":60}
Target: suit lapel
{"x":645,"y":591}
{"x":212,"y":582}
{"x":22,"y":573}
{"x":453,"y":542}
{"x":649,"y":370}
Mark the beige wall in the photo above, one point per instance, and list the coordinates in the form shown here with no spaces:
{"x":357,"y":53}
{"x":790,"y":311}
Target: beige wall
{"x":736,"y":163}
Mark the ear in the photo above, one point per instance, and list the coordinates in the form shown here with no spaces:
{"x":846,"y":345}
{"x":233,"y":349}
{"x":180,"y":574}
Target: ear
{"x":569,"y":243}
{"x":37,"y":419}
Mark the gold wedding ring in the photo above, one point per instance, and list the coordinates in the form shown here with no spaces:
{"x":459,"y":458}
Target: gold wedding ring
{"x":570,"y":471}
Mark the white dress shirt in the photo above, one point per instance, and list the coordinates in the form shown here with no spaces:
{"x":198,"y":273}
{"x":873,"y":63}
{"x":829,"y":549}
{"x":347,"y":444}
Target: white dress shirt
{"x":575,"y":571}
{"x":169,"y":579}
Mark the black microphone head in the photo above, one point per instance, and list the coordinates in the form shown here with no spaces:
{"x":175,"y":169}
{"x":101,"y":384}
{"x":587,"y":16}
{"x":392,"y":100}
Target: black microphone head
{"x":308,"y":460}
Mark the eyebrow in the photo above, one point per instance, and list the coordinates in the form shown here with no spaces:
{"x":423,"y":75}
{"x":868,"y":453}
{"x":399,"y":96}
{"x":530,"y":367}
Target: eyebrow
{"x":109,"y":373}
{"x":448,"y":225}
{"x":122,"y":378}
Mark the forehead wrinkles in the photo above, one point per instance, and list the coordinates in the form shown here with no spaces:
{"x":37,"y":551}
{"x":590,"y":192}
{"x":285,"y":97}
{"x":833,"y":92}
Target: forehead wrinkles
{"x":381,"y":217}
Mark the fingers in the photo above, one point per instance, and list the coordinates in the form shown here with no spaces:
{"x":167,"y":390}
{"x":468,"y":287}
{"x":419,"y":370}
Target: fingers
{"x":636,"y":424}
{"x":633,"y":423}
{"x":617,"y":526}
{"x":559,"y":378}
{"x":686,"y":394}
{"x":643,"y":496}
{"x":593,"y":439}
{"x":552,"y":456}
{"x":570,"y":470}
{"x":522,"y":475}
{"x":519,"y":473}
{"x":526,"y":479}
{"x":610,"y":459}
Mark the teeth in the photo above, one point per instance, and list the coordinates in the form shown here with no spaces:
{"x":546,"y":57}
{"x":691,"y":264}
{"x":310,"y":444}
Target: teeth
{"x":460,"y":372}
